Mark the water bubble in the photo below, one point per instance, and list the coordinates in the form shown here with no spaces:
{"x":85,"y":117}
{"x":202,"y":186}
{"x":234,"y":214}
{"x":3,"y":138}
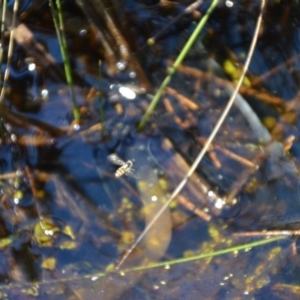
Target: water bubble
{"x":127,"y":92}
{"x":13,"y":137}
{"x":31,"y":67}
{"x":219,"y":203}
{"x":121,"y":65}
{"x":229,"y":3}
{"x":154,"y":198}
{"x":76,"y":127}
{"x":132,"y":74}
{"x":82,"y":32}
{"x":44,"y":93}
{"x":19,"y":172}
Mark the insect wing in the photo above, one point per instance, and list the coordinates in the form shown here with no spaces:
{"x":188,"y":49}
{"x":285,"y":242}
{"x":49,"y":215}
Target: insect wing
{"x":130,"y":172}
{"x":115,"y":159}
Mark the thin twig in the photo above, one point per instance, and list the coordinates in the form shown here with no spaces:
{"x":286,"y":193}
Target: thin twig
{"x":267,"y":233}
{"x":151,"y":41}
{"x":3,"y":17}
{"x":206,"y":146}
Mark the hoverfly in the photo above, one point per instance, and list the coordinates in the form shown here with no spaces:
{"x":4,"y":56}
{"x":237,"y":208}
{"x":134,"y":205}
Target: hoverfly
{"x":125,"y":167}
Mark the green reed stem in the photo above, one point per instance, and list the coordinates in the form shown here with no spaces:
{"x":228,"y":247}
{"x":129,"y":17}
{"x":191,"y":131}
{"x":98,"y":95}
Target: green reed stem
{"x":60,"y":30}
{"x":176,"y":64}
{"x":206,"y":255}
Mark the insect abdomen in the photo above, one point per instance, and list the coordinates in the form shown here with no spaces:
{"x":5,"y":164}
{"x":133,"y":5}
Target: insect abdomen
{"x":121,"y":171}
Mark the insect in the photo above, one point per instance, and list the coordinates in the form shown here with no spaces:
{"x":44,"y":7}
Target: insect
{"x":125,"y":167}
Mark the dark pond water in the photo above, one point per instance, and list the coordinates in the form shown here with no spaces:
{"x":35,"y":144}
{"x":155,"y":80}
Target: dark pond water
{"x":66,"y":219}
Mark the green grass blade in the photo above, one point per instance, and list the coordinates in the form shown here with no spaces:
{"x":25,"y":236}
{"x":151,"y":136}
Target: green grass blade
{"x":59,"y":27}
{"x":210,"y":254}
{"x":176,"y":64}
